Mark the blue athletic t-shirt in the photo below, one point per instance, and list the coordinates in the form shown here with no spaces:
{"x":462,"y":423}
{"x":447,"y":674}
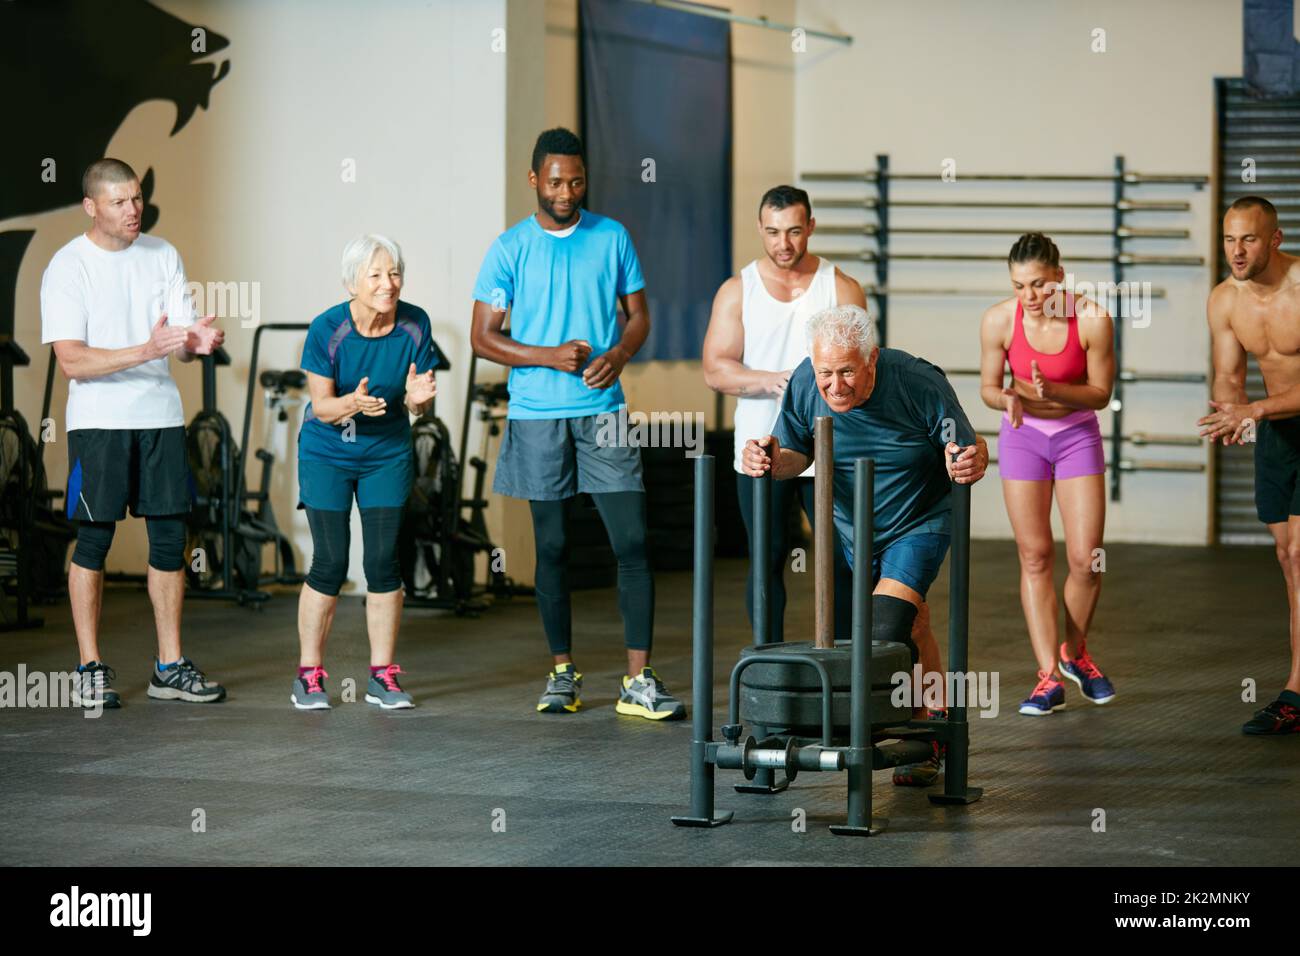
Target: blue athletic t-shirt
{"x":904,"y":424}
{"x":560,"y":288}
{"x":335,"y":349}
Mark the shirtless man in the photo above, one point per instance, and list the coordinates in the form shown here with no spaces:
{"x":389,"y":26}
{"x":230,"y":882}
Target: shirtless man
{"x":1257,"y":310}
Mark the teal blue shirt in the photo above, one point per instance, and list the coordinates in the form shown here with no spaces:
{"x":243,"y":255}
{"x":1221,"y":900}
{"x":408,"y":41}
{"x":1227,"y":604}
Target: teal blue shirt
{"x":560,"y":288}
{"x":910,"y":416}
{"x":336,"y":350}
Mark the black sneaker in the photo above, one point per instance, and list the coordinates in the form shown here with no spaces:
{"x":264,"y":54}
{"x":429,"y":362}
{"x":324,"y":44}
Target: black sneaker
{"x":93,"y":686}
{"x":927,"y":771}
{"x":184,"y":681}
{"x":1278,"y":718}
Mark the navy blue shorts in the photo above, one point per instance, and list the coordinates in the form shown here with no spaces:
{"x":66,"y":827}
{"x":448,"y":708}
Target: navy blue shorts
{"x":328,"y":486}
{"x":1277,"y":470}
{"x":913,"y":559}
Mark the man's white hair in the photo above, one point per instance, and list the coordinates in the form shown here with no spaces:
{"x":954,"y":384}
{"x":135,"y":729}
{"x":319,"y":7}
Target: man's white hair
{"x":843,"y":326}
{"x":358,"y":254}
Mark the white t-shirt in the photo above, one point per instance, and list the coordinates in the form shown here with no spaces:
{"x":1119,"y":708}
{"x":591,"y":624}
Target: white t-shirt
{"x":112,"y":300}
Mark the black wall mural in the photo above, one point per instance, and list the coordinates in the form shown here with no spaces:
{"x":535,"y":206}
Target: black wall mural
{"x":70,"y":73}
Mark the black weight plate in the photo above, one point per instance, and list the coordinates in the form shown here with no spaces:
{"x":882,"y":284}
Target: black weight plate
{"x":887,"y":659}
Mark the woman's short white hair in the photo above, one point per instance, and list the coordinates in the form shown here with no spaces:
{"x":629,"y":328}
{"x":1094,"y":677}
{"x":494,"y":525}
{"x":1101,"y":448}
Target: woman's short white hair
{"x":843,"y":326}
{"x":358,"y":253}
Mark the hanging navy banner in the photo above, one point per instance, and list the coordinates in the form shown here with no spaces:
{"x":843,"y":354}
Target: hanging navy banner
{"x":656,"y":97}
{"x":1269,"y":48}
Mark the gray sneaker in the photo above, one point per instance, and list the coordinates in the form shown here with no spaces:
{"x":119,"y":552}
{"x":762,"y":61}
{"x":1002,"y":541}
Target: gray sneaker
{"x":309,"y":690}
{"x":384,"y":690}
{"x":646,"y":696}
{"x":563,"y":691}
{"x":184,"y":681}
{"x":93,"y":687}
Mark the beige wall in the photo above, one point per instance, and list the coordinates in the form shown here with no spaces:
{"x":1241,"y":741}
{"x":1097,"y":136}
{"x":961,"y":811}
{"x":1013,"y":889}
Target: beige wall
{"x":1006,"y":86}
{"x":251,"y":190}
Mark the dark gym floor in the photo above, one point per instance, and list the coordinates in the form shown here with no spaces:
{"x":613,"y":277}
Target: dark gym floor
{"x":1178,"y":630}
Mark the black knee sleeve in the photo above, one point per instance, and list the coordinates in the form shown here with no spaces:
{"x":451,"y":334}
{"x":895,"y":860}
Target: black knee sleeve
{"x":380,"y":528}
{"x":166,"y":542}
{"x":93,"y":541}
{"x":891,"y":620}
{"x":330,"y":540}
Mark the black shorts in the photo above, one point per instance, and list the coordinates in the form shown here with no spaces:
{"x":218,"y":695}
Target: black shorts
{"x":111,"y":469}
{"x":1277,"y":466}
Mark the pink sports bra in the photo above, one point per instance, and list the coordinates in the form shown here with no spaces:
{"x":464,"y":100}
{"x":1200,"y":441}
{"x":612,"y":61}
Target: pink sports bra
{"x":1068,"y":365}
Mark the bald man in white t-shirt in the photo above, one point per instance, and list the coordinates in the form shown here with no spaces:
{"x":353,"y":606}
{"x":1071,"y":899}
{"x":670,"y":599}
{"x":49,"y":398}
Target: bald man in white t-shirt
{"x":114,"y":305}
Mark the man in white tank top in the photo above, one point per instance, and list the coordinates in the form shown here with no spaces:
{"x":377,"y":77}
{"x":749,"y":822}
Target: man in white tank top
{"x":755,"y":340}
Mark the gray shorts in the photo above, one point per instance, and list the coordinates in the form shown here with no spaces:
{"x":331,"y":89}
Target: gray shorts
{"x":548,"y":459}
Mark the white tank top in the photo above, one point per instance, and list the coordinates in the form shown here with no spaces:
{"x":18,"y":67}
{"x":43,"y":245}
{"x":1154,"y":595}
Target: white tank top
{"x":775,"y":341}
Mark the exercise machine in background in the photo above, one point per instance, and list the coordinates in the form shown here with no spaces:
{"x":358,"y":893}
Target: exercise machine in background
{"x":34,"y":534}
{"x":229,"y":523}
{"x":440,"y":544}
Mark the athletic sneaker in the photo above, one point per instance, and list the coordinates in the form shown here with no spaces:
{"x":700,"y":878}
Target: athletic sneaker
{"x":384,"y":690}
{"x":1280,"y":717}
{"x":1048,"y":696}
{"x":646,"y":696}
{"x":927,"y":771}
{"x":563,"y":690}
{"x":184,"y":681}
{"x":93,"y":686}
{"x":1084,"y":672}
{"x":309,"y":690}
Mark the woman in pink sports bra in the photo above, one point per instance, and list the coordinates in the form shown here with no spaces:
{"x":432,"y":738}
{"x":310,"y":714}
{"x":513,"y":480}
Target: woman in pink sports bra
{"x":1062,"y":364}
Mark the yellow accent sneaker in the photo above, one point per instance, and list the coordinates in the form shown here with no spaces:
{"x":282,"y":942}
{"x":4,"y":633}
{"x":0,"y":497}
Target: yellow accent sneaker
{"x":645,"y":696}
{"x":563,"y":687}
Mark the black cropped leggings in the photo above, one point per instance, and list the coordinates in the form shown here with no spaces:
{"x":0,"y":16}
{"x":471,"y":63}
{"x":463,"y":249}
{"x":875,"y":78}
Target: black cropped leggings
{"x":331,"y":539}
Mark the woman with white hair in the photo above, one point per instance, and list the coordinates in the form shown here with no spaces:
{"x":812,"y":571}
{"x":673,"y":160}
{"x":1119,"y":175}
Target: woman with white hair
{"x":369,"y":364}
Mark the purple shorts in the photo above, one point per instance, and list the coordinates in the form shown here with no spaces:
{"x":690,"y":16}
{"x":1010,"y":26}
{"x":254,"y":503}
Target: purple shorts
{"x":1045,"y":448}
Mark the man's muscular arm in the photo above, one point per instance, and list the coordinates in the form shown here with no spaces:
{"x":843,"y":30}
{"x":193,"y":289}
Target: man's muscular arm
{"x":1284,"y":404}
{"x":848,"y":291}
{"x":1228,"y":390}
{"x":724,"y":348}
{"x":81,"y":361}
{"x":761,"y":455}
{"x":489,"y":342}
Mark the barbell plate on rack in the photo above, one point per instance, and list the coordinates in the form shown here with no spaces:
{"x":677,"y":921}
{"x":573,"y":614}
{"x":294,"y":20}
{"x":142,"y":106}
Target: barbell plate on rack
{"x":1129,"y":464}
{"x":1130,"y":178}
{"x":1156,"y":293}
{"x":1126,"y":259}
{"x":1125,"y":232}
{"x":1125,"y":205}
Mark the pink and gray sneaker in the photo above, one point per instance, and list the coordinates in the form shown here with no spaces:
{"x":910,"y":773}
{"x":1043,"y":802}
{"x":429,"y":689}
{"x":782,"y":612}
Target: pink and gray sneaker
{"x":384,"y":690}
{"x":309,"y":690}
